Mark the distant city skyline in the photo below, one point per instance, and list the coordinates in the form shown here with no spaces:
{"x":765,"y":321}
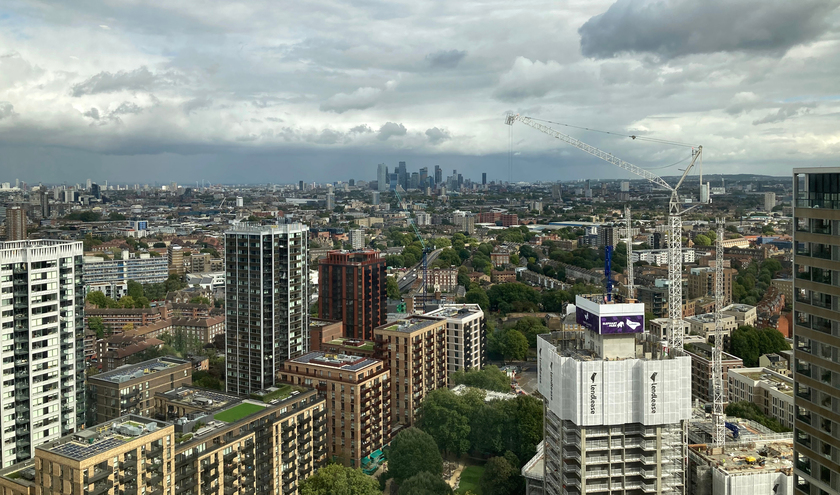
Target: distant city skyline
{"x":122,"y":92}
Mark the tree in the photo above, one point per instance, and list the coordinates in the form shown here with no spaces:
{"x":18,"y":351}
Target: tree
{"x":530,"y":327}
{"x":96,"y":325}
{"x":126,"y":302}
{"x":515,"y":346}
{"x":135,"y":289}
{"x":205,"y":380}
{"x":100,"y":300}
{"x":749,"y":343}
{"x":445,"y":416}
{"x":749,"y":410}
{"x":158,"y":245}
{"x":413,"y":451}
{"x":335,"y":479}
{"x":513,"y":296}
{"x":200,"y":300}
{"x":487,"y":378}
{"x":392,"y":288}
{"x":477,"y":295}
{"x":424,"y":483}
{"x":702,"y":240}
{"x":497,"y":477}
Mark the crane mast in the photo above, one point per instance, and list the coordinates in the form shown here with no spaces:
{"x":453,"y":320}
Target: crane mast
{"x":676,"y":330}
{"x":717,"y":353}
{"x":631,"y":289}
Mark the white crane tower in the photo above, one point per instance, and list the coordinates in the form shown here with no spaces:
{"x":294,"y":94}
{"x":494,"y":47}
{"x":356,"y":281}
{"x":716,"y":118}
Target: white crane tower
{"x":631,"y":287}
{"x":718,"y":417}
{"x":676,"y":330}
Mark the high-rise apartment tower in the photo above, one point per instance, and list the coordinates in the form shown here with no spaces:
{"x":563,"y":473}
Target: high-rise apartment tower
{"x":353,"y":290}
{"x":267,"y":302}
{"x":816,"y":349}
{"x":41,"y":314}
{"x":15,"y":224}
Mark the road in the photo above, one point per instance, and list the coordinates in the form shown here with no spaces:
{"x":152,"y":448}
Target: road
{"x":406,"y":282}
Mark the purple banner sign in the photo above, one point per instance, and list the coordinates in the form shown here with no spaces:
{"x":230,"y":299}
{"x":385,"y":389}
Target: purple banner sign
{"x":610,"y":324}
{"x":622,"y":324}
{"x":586,"y":319}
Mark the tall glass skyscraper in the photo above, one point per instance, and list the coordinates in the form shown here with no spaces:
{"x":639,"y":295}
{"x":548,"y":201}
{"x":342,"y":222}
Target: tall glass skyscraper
{"x":382,"y":177}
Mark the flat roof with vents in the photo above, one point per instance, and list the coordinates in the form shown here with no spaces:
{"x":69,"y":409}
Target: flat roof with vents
{"x":104,"y":437}
{"x":139,"y":370}
{"x":337,"y":361}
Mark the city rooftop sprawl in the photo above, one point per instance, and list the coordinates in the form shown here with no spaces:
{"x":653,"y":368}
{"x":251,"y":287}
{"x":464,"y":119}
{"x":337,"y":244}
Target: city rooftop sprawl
{"x":213,"y":338}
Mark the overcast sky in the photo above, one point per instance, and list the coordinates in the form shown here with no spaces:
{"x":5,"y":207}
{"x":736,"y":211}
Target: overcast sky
{"x":269,"y":91}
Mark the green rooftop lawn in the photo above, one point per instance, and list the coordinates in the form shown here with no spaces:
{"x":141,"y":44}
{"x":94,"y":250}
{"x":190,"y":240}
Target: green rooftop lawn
{"x":469,"y":479}
{"x":236,"y":413}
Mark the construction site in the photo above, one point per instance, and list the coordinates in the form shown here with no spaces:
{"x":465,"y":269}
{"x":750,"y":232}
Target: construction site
{"x":743,"y":468}
{"x":618,"y":414}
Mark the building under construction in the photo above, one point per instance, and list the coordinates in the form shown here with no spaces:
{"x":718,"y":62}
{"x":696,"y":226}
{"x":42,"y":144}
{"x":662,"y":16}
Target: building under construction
{"x":745,"y":468}
{"x":616,"y":406}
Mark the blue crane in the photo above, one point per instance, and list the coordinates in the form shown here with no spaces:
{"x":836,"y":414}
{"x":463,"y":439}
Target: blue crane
{"x":426,"y":250}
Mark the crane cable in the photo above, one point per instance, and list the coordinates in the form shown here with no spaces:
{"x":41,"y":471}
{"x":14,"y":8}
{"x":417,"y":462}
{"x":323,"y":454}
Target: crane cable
{"x":631,"y":136}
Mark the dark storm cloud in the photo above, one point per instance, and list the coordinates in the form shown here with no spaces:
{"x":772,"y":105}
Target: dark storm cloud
{"x":437,"y":136}
{"x":92,"y":113}
{"x":672,"y":28}
{"x":391,"y":129}
{"x":127,"y":107}
{"x":785,"y":112}
{"x":361,"y":129}
{"x":445,"y":59}
{"x":105,"y":82}
{"x":6,"y":110}
{"x":361,"y":99}
{"x":196,"y":104}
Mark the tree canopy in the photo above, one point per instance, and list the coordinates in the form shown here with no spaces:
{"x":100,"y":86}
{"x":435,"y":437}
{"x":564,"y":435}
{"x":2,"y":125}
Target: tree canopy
{"x":749,"y":343}
{"x":424,"y":483}
{"x":392,"y":288}
{"x":413,"y":451}
{"x":499,"y":477}
{"x":335,"y":479}
{"x":749,"y":410}
{"x":487,"y":378}
{"x":493,"y":427}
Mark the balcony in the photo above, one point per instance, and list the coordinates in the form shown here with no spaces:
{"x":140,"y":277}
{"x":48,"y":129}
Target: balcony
{"x":100,"y":488}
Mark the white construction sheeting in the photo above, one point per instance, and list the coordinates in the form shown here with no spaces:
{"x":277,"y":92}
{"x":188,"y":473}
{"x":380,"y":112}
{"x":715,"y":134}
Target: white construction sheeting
{"x":592,"y":392}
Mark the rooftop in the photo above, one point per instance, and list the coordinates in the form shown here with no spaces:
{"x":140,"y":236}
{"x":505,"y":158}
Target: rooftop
{"x":708,"y":318}
{"x":704,"y":350}
{"x":750,"y":457}
{"x":319,"y":322}
{"x":134,"y":371}
{"x":769,"y":377}
{"x":459,"y":311}
{"x":95,"y":441}
{"x":22,"y":473}
{"x":207,"y":400}
{"x":362,"y":345}
{"x":338,"y":361}
{"x":740,"y":308}
{"x":410,"y":324}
